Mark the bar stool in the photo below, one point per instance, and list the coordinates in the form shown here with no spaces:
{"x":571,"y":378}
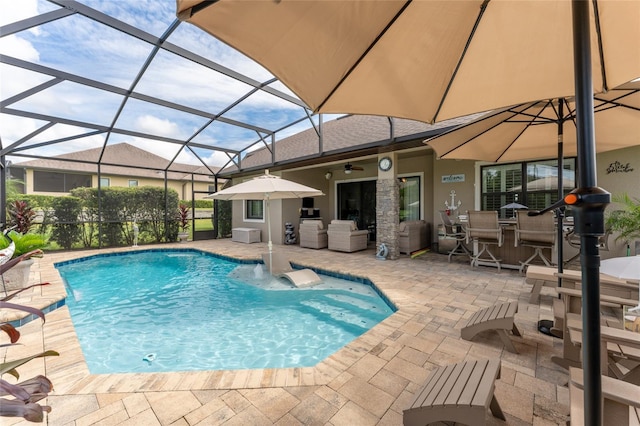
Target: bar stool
{"x":485,"y":230}
{"x":459,"y":236}
{"x":538,"y":232}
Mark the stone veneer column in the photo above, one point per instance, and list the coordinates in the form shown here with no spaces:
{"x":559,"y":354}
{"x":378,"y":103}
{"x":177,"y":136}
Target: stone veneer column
{"x":388,"y":213}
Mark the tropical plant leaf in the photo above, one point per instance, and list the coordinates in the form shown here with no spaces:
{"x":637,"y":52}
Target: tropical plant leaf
{"x":31,"y":411}
{"x":12,"y":295}
{"x":35,"y":388}
{"x":7,"y":367}
{"x":11,"y":331}
{"x":18,"y":391}
{"x":13,"y":262}
{"x":34,"y":311}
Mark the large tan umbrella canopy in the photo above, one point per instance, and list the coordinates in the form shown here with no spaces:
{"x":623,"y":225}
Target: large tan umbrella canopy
{"x":433,"y":60}
{"x":532,"y":130}
{"x":266,"y":187}
{"x":422,"y":60}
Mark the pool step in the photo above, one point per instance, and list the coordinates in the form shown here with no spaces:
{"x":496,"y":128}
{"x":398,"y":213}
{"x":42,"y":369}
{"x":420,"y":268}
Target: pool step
{"x":361,"y":319}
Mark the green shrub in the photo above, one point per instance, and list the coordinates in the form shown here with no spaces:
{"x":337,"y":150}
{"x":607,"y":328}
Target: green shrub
{"x":66,"y":211}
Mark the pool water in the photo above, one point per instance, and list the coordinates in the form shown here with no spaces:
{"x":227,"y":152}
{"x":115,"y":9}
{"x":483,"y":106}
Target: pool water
{"x":181,"y":310}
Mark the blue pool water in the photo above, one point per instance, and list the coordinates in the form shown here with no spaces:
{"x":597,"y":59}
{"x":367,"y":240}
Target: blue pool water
{"x":179,"y":310}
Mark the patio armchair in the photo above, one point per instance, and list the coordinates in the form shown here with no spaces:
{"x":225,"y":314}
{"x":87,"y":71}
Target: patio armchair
{"x":412,"y":235}
{"x":313,"y":234}
{"x":344,"y":236}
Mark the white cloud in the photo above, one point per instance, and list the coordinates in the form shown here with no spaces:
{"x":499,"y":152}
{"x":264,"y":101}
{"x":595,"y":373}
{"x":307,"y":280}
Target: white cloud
{"x":12,"y":13}
{"x":154,"y":125}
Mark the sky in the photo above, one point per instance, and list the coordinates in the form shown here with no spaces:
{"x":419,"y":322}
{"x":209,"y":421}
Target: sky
{"x":82,"y":47}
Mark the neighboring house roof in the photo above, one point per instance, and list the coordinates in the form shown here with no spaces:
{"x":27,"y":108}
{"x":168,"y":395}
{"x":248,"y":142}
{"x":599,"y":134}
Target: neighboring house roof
{"x":142,"y":163}
{"x":348,"y":132}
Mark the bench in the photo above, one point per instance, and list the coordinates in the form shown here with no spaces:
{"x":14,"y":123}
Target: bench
{"x":621,"y":400}
{"x":245,"y":235}
{"x":543,"y":276}
{"x":540,"y":276}
{"x":459,"y":393}
{"x":571,"y":303}
{"x":496,"y":317}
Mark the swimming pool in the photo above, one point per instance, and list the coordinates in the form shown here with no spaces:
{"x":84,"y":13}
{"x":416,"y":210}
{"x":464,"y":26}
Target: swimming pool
{"x":182,"y":310}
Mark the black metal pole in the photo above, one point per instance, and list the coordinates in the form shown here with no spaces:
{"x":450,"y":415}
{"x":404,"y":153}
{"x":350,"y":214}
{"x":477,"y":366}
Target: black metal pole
{"x":560,"y":211}
{"x":3,"y":192}
{"x":590,"y":215}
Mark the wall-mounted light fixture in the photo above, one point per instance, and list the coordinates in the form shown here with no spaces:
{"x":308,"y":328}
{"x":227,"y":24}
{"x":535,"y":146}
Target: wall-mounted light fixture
{"x":328,"y":175}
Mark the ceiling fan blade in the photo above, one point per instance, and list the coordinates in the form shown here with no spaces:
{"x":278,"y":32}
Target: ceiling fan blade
{"x":348,"y":168}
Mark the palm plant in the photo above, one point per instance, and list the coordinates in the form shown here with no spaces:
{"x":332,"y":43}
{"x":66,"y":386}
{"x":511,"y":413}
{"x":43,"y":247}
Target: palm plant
{"x":625,"y":222}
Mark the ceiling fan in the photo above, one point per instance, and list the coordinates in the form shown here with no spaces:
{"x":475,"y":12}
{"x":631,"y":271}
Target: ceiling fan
{"x":348,"y":168}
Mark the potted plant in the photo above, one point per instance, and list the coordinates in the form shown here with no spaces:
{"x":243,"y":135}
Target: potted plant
{"x":626,"y":222}
{"x":183,"y":221}
{"x":15,"y":245}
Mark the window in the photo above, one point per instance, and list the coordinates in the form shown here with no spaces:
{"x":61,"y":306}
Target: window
{"x":44,"y":181}
{"x":105,"y":182}
{"x":532,"y":184}
{"x":133,"y":183}
{"x":211,"y":189}
{"x":254,"y":210}
{"x":409,"y":198}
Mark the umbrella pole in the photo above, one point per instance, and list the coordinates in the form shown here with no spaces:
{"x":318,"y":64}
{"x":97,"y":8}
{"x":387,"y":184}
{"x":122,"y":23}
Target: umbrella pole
{"x":590,"y":202}
{"x":270,"y":244}
{"x":560,"y":215}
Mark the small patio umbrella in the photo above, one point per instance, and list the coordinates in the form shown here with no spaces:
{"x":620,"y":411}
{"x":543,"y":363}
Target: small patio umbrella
{"x":266,"y":187}
{"x":627,"y":268}
{"x":432,"y":60}
{"x":514,"y":206}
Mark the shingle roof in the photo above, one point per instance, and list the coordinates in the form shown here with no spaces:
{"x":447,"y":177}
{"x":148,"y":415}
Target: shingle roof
{"x":123,"y":154}
{"x":343,"y":133}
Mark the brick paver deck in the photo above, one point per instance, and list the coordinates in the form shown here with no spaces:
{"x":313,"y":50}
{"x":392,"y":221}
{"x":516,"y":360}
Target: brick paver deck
{"x":368,"y":382}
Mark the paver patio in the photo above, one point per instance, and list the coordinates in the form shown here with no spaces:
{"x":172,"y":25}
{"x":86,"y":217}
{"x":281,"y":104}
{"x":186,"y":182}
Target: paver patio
{"x":368,"y":382}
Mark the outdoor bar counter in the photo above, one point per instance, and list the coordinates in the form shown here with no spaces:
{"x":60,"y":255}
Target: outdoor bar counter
{"x":510,"y":256}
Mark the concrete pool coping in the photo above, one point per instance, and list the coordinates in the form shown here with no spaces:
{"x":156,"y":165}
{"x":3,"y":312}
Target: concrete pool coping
{"x":386,"y":365}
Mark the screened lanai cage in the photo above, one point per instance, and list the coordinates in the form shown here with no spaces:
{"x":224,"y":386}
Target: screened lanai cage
{"x":129,"y":112}
{"x":102,"y":99}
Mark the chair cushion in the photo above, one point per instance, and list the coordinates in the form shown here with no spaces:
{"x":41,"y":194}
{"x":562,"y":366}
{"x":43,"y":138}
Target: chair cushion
{"x":352,"y":225}
{"x":317,"y":223}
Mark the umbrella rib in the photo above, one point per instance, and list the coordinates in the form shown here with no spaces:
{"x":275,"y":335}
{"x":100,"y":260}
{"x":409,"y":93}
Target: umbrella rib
{"x":533,"y":117}
{"x":613,"y":104}
{"x":364,"y":54}
{"x":483,"y":8}
{"x":196,"y":8}
{"x":596,"y":16}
